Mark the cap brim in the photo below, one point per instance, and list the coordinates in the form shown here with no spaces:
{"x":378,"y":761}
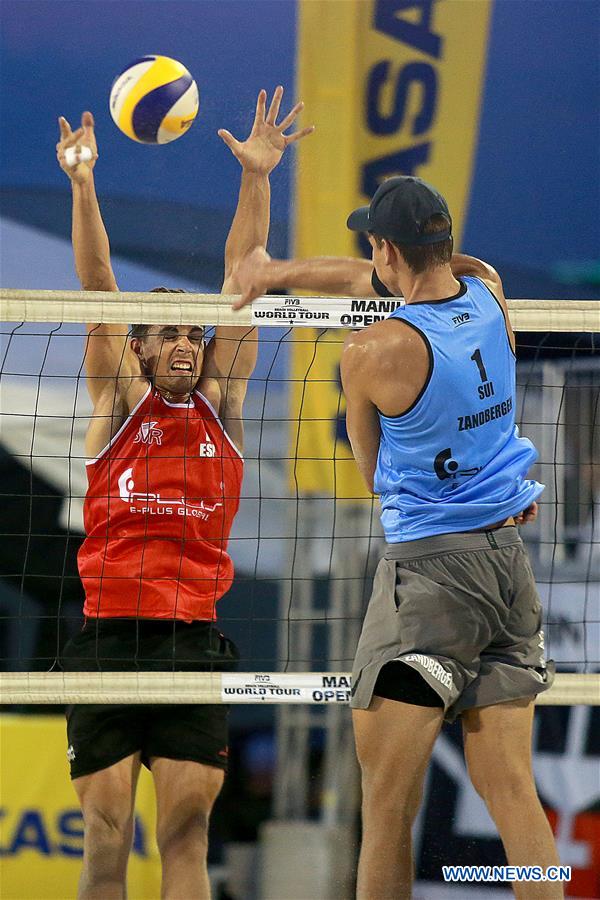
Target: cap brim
{"x":359,"y":219}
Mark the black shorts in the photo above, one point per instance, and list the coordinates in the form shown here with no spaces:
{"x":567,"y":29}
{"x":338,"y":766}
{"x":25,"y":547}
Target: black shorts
{"x":101,"y":735}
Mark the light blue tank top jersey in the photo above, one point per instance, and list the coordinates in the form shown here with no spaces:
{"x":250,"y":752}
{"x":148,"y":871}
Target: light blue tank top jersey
{"x":454,"y":461}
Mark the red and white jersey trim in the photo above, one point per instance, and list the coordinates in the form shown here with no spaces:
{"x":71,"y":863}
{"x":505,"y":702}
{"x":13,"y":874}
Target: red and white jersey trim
{"x":117,"y":434}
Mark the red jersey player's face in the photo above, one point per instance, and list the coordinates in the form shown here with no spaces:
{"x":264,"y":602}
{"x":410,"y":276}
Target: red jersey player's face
{"x":172,"y":355}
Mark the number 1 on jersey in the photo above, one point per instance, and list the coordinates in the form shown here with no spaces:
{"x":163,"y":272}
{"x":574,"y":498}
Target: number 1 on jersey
{"x":486,"y":388}
{"x":476,"y":357}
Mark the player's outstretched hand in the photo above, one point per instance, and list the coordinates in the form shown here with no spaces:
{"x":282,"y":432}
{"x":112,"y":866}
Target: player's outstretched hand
{"x":264,"y":147}
{"x":73,"y":164}
{"x":251,"y":276}
{"x":528,"y":515}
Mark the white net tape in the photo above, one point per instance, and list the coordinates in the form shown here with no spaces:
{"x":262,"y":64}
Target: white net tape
{"x":214,"y":309}
{"x":217,"y":687}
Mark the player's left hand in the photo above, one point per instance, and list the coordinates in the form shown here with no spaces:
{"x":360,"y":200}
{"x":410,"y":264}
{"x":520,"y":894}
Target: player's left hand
{"x":263,"y":149}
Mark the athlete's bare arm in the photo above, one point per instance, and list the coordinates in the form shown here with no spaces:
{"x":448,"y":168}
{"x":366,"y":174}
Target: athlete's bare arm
{"x":259,"y":273}
{"x":470,"y":265}
{"x":384,"y":368}
{"x":114,"y":379}
{"x":231,"y":355}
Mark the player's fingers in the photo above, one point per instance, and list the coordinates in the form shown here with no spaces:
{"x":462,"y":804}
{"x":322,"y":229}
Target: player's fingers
{"x":65,"y":128}
{"x":73,"y":138}
{"x":261,"y":102}
{"x":290,"y":139}
{"x":285,"y":123}
{"x":87,"y":120}
{"x":228,"y":138}
{"x":274,"y":107}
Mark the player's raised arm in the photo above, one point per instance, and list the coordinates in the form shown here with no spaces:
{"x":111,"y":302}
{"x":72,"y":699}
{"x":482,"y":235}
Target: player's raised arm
{"x":258,"y":273}
{"x":90,"y":240}
{"x":345,"y":276}
{"x":469,"y":265}
{"x":231,"y":356}
{"x":107,"y":351}
{"x":258,"y":155}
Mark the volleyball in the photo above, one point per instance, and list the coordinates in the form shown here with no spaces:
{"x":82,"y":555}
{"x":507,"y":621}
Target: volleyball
{"x":154,"y":100}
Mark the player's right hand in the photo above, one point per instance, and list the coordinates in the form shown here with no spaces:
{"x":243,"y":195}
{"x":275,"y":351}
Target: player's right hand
{"x":528,"y":515}
{"x":251,"y":276}
{"x":83,"y":137}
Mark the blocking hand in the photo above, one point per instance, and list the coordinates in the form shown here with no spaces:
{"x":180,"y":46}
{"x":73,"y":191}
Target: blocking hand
{"x":83,"y":137}
{"x":264,"y":147}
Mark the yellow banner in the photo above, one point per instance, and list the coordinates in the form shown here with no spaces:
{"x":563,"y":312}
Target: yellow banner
{"x":41,"y":828}
{"x":394,"y":87}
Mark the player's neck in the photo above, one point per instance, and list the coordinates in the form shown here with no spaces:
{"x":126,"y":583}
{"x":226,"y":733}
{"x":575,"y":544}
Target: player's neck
{"x":434,"y":284}
{"x":174,"y":398}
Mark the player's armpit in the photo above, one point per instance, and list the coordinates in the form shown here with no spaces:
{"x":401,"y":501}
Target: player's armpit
{"x":110,"y":411}
{"x":229,"y":361}
{"x":107,"y":357}
{"x":226,"y":395}
{"x":231,"y":413}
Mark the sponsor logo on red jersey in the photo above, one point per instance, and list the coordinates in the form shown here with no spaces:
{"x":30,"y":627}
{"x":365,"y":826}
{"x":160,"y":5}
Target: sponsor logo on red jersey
{"x":155,"y":504}
{"x":149,"y":434}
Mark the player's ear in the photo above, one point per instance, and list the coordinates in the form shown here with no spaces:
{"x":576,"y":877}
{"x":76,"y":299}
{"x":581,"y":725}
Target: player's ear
{"x":136,"y":346}
{"x":391,"y":254}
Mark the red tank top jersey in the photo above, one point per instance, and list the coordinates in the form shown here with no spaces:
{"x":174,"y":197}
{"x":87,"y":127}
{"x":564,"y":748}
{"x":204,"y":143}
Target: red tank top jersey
{"x":158,"y":512}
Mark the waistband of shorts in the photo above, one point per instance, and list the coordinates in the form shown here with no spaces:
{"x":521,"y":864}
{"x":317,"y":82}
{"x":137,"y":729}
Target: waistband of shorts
{"x":451,"y":543}
{"x":130,"y":624}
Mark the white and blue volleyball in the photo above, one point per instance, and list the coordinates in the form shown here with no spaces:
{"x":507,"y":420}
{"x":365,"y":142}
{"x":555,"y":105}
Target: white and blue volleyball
{"x":154,"y":100}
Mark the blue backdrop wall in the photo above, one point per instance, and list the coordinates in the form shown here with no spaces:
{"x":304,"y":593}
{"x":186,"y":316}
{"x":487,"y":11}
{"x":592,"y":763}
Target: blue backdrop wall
{"x":535,"y":193}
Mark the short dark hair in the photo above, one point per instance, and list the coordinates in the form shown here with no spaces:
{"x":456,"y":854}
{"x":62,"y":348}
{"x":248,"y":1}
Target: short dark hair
{"x":425,"y":256}
{"x":140,"y":331}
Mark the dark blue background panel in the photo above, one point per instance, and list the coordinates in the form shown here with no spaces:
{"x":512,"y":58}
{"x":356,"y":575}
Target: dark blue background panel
{"x":61,"y":57}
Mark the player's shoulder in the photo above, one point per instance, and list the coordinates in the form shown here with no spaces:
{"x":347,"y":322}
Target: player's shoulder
{"x":372,"y":347}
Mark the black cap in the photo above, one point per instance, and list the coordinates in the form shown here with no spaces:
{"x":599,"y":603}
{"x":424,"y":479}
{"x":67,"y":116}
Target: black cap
{"x":400,"y":208}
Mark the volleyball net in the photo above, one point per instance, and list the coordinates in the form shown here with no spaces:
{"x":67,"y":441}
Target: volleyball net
{"x":307,"y":536}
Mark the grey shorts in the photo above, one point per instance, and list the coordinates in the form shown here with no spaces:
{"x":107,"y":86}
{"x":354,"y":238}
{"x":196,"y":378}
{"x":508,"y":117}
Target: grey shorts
{"x":464,"y":612}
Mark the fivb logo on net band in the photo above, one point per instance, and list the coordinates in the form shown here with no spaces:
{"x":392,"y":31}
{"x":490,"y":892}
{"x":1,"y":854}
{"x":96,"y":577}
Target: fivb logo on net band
{"x":154,"y":505}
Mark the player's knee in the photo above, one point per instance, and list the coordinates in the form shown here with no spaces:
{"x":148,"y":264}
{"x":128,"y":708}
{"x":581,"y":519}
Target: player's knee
{"x":388,"y":797}
{"x":107,"y":826}
{"x":187,"y":826}
{"x":511,"y":788}
{"x":393,"y":814}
